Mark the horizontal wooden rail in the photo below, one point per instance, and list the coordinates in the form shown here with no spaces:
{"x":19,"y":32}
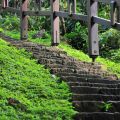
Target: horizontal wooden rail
{"x":37,"y":13}
{"x":101,"y":21}
{"x":105,"y":22}
{"x":72,"y":15}
{"x":80,"y":17}
{"x":62,"y":14}
{"x":10,"y":9}
{"x":103,"y":1}
{"x":30,"y":13}
{"x":108,"y":1}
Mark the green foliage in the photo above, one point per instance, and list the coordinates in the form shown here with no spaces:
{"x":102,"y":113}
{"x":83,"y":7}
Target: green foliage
{"x":38,"y":23}
{"x":110,"y":39}
{"x":74,"y":53}
{"x":40,"y":96}
{"x":104,"y":11}
{"x":110,"y":43}
{"x":112,"y":64}
{"x":13,"y":34}
{"x":108,"y":64}
{"x":77,"y":39}
{"x":46,"y":40}
{"x":1,"y":30}
{"x":10,"y":23}
{"x":114,"y":55}
{"x":105,"y":107}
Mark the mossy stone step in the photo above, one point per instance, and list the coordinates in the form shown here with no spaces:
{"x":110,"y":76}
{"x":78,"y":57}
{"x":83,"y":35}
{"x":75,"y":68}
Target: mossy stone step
{"x":89,"y":84}
{"x":97,"y":116}
{"x":73,"y":78}
{"x":76,"y":75}
{"x":97,"y":106}
{"x":95,"y":97}
{"x":95,"y":90}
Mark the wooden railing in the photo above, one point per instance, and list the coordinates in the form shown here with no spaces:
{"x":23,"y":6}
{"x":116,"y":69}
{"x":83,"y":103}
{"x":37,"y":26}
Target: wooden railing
{"x":91,"y":18}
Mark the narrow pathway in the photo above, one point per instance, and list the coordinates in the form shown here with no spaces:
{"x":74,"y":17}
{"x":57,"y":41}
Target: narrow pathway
{"x":95,"y":93}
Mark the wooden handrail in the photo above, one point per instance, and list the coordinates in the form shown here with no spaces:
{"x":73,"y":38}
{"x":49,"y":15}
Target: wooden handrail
{"x":91,"y":18}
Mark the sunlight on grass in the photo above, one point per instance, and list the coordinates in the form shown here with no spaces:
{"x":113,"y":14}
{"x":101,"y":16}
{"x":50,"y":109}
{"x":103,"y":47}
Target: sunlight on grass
{"x":40,"y":96}
{"x":110,"y":65}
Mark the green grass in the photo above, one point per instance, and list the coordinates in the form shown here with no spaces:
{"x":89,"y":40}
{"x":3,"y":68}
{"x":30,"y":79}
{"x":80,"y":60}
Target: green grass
{"x":113,"y":67}
{"x":15,"y":34}
{"x":40,"y":96}
{"x":107,"y":64}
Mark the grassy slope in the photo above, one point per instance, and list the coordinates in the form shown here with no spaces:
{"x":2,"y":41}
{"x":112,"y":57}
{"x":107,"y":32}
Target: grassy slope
{"x":41,"y":97}
{"x":107,"y":64}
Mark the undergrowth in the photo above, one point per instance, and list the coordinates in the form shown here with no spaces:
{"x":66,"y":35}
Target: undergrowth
{"x":28,"y":91}
{"x":112,"y":66}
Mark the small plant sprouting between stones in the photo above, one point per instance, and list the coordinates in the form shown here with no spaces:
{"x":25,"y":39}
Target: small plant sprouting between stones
{"x":106,"y":106}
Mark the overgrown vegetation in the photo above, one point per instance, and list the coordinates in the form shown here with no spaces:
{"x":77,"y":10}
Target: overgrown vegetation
{"x":106,"y":107}
{"x":110,"y":64}
{"x":28,"y":91}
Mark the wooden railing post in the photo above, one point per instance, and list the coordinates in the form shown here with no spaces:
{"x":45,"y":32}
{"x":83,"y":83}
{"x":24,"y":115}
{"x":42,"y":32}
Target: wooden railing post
{"x":24,"y":20}
{"x":4,"y":3}
{"x":93,"y":42}
{"x":71,"y":6}
{"x":55,"y":23}
{"x":113,"y":12}
{"x":74,"y":6}
{"x":118,"y":10}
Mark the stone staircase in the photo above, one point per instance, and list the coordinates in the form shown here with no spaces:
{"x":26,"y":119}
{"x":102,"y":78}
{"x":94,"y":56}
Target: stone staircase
{"x":95,"y":92}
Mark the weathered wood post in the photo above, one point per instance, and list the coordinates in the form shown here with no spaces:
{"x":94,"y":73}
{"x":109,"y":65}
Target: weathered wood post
{"x":74,"y":6}
{"x":118,"y":10}
{"x":118,"y":14}
{"x":93,"y":42}
{"x":113,"y":12}
{"x":24,"y":20}
{"x":55,"y":23}
{"x":69,"y":6}
{"x":4,"y":3}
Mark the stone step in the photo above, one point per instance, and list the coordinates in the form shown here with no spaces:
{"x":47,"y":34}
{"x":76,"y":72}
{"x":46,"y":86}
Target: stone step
{"x":52,"y":66}
{"x":97,"y":106}
{"x":44,"y":54}
{"x":95,"y":97}
{"x":94,"y":84}
{"x":95,"y":90}
{"x":65,"y":61}
{"x":50,"y":61}
{"x":97,"y":116}
{"x":73,"y":72}
{"x":76,"y":76}
{"x":86,"y":74}
{"x":72,"y":78}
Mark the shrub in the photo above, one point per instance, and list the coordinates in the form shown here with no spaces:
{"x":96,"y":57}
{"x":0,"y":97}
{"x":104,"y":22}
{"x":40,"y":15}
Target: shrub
{"x":109,"y":40}
{"x":78,"y":38}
